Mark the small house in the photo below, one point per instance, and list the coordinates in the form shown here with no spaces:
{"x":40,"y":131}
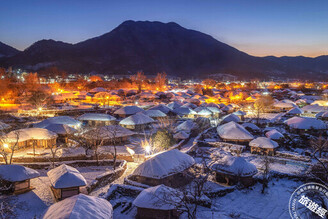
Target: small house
{"x":97,"y":119}
{"x":234,"y":132}
{"x":138,"y":121}
{"x":150,"y":203}
{"x":16,"y":178}
{"x":127,"y":111}
{"x":231,"y":170}
{"x":80,"y":206}
{"x":168,"y":168}
{"x":66,"y":120}
{"x":65,"y":181}
{"x":263,"y":145}
{"x":31,"y":137}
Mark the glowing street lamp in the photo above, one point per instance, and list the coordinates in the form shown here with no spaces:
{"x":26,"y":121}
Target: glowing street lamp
{"x":148,"y":149}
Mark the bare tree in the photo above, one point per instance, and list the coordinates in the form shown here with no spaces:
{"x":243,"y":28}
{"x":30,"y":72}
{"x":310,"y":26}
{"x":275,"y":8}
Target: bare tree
{"x":266,"y":171}
{"x":319,"y":144}
{"x":188,"y":198}
{"x":95,"y":138}
{"x":112,"y":132}
{"x":8,"y":145}
{"x":160,"y":81}
{"x":53,"y":149}
{"x":83,"y":139}
{"x":139,"y":79}
{"x":319,"y":171}
{"x":261,"y":106}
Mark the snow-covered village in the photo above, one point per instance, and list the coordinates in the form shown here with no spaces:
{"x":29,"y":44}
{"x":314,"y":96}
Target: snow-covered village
{"x":153,"y":120}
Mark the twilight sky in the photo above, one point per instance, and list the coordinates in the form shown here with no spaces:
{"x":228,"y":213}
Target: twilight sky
{"x":261,"y":28}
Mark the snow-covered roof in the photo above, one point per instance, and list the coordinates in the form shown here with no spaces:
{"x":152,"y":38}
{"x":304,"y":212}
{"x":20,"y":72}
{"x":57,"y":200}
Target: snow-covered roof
{"x":203,"y":111}
{"x":137,"y":119}
{"x":234,"y":131}
{"x":190,"y":105}
{"x":181,"y":135}
{"x":213,"y":109}
{"x":16,"y":173}
{"x":96,"y":117}
{"x":98,"y":89}
{"x":66,"y":176}
{"x":61,"y":129}
{"x":263,"y":142}
{"x":281,"y":104}
{"x":305,"y":123}
{"x":154,"y":113}
{"x":164,"y":164}
{"x":237,"y":166}
{"x":67,"y":120}
{"x":323,"y":114}
{"x":30,"y":133}
{"x":107,"y":132}
{"x":251,"y":126}
{"x":186,"y":126}
{"x":226,"y":108}
{"x":231,"y":117}
{"x":153,"y":197}
{"x":239,"y":113}
{"x":162,"y":108}
{"x":295,"y":111}
{"x":4,"y":126}
{"x":80,"y":206}
{"x":316,"y":108}
{"x":181,"y":111}
{"x":175,"y":104}
{"x":274,"y":134}
{"x":128,"y":110}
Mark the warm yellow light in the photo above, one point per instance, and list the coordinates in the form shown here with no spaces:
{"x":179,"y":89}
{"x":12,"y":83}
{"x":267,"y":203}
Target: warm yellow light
{"x":40,"y":108}
{"x":5,"y":145}
{"x":147,"y":149}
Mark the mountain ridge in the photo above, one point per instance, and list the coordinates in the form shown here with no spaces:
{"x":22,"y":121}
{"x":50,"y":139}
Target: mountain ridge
{"x":153,"y":46}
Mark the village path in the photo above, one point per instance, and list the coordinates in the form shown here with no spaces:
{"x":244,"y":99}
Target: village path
{"x":102,"y":190}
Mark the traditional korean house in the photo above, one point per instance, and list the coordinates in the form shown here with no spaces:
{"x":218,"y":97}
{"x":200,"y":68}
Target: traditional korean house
{"x":155,"y":114}
{"x":233,"y":132}
{"x":109,"y":134}
{"x":65,"y":181}
{"x":263,"y":145}
{"x":127,"y":111}
{"x":80,"y":206}
{"x":63,"y":131}
{"x":65,"y":120}
{"x":97,"y":119}
{"x":31,"y":137}
{"x":231,"y":170}
{"x":185,"y":112}
{"x":150,"y":203}
{"x":305,"y":124}
{"x":138,"y":122}
{"x":16,"y":179}
{"x":168,"y":168}
{"x":229,"y":118}
{"x":240,"y":114}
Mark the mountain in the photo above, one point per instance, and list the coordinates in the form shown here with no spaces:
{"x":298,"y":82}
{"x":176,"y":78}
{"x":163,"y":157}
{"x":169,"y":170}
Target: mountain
{"x":156,"y":47}
{"x":6,"y":50}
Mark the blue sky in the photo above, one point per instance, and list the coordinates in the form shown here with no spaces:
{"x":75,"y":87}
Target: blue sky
{"x":262,"y":27}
